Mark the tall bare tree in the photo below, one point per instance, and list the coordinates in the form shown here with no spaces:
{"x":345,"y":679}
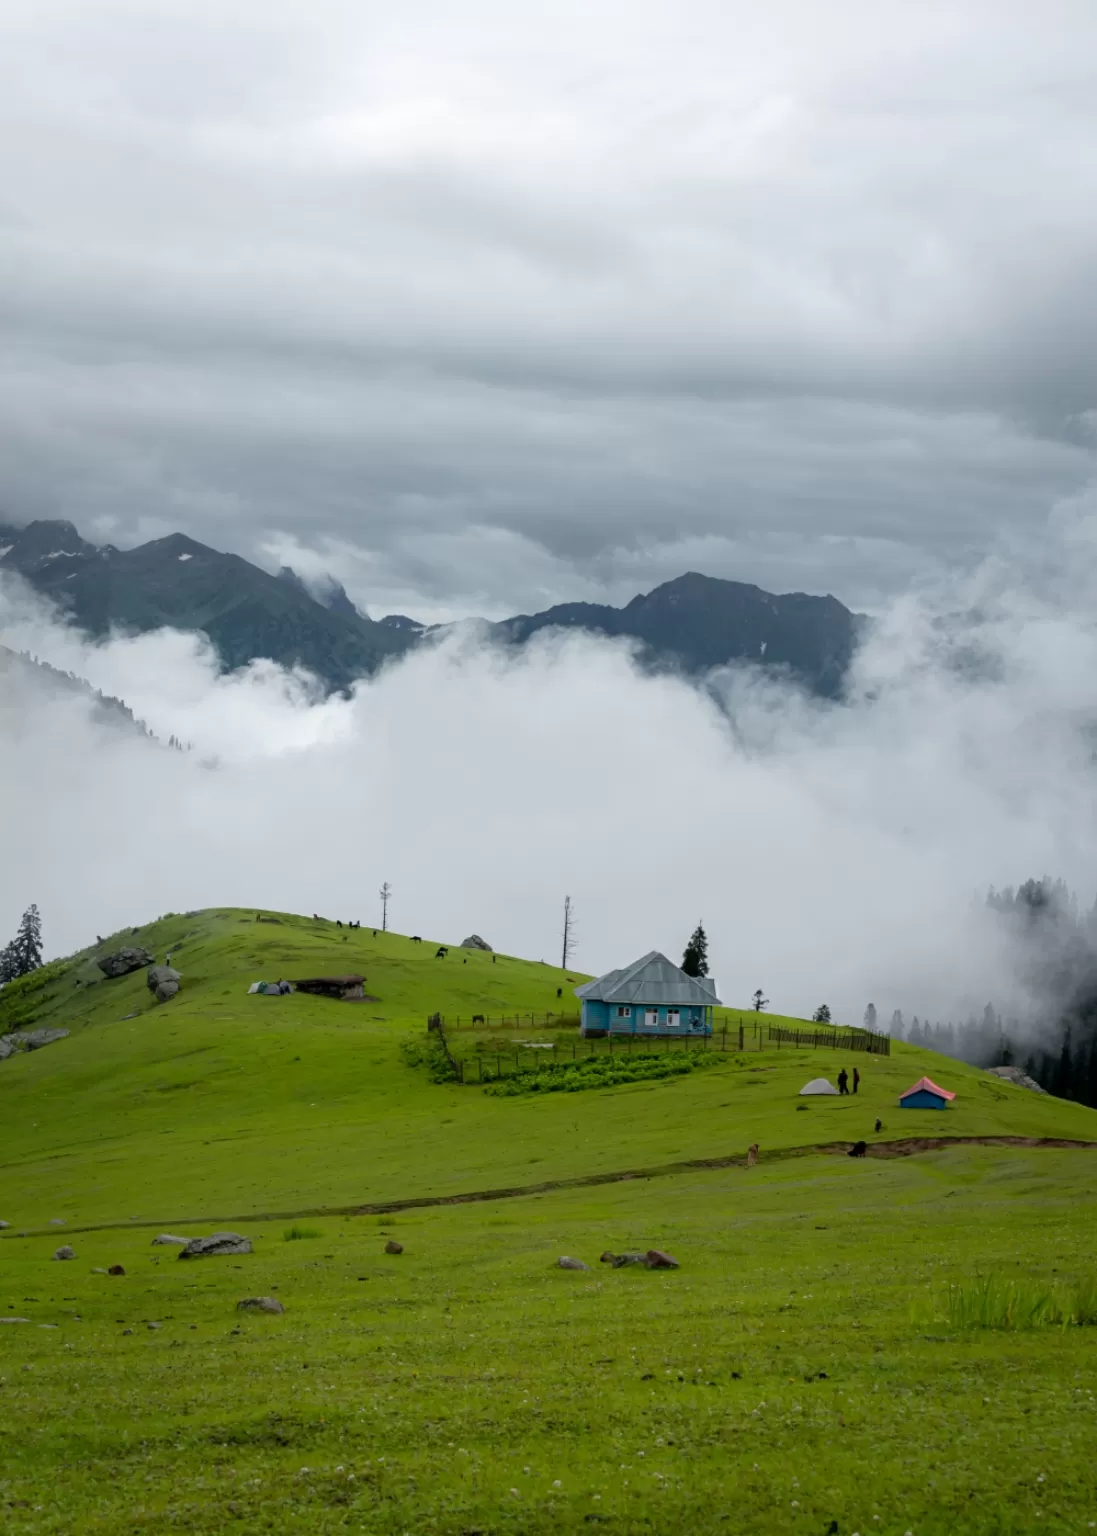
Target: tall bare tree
{"x":385,"y":893}
{"x":569,"y":933}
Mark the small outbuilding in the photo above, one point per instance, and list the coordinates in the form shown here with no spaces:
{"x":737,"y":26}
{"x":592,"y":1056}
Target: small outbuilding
{"x":925,"y":1095}
{"x":652,"y":996}
{"x":347,"y":989}
{"x":818,"y":1085}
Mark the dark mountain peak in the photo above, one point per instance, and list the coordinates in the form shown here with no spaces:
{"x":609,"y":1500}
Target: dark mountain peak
{"x":174,"y":546}
{"x":287,"y":574}
{"x":401,"y":622}
{"x":44,"y":541}
{"x":328,"y":592}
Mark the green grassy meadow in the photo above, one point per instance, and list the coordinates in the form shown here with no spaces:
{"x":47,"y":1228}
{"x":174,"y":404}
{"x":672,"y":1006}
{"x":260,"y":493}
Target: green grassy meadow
{"x":802,"y":1371}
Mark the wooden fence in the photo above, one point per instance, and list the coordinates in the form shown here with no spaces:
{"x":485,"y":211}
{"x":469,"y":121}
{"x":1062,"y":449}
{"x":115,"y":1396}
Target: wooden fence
{"x":483,"y":1063}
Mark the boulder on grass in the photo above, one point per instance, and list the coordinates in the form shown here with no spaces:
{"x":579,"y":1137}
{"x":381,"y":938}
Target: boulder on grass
{"x":116,"y":1269}
{"x":607,"y":1258}
{"x":215,"y":1246}
{"x":567,"y":1263}
{"x":260,"y":1304}
{"x":657,"y":1259}
{"x":163,"y":981}
{"x":474,"y":941}
{"x":392,"y":1246}
{"x":64,"y":1252}
{"x":623,"y":1260}
{"x":122,"y":961}
{"x":35,"y":1039}
{"x":7,"y":1047}
{"x":166,"y":1239}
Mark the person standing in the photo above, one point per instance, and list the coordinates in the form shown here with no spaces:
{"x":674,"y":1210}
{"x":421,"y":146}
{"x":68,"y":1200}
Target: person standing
{"x":843,"y":1081}
{"x":856,"y":1079}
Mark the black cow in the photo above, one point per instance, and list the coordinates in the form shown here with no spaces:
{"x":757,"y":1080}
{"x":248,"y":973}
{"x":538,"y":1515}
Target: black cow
{"x":879,"y":1126}
{"x":858,"y":1149}
{"x":415,"y":939}
{"x":478,"y":1018}
{"x":441,"y":952}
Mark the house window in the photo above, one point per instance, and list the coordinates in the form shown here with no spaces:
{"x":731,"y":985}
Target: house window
{"x":674,"y":1017}
{"x":624,"y":1013}
{"x":651,"y":1017}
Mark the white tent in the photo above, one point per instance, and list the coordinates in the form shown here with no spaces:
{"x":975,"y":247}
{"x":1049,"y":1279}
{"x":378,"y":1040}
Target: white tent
{"x":818,"y":1085}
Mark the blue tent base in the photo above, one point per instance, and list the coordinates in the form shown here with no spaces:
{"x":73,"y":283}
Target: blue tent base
{"x":923,"y":1100}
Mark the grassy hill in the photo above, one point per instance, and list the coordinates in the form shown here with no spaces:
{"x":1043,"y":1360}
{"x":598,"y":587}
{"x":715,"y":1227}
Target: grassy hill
{"x":892,"y":1345}
{"x":235,"y":1105}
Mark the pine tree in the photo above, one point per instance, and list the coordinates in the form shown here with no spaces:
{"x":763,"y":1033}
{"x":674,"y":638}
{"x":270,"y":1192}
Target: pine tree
{"x":8,"y":971}
{"x":821,"y":1015}
{"x":28,"y":941}
{"x":897,"y":1025}
{"x":870,"y":1016}
{"x":760,"y":1001}
{"x":695,"y":959}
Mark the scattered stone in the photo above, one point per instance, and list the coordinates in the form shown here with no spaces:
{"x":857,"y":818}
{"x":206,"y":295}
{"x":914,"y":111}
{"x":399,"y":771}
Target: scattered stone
{"x":624,"y":1259}
{"x":98,"y":1271}
{"x":166,"y":1239}
{"x":608,"y":1258}
{"x":125,"y":960}
{"x":57,"y":1221}
{"x":216,"y":1245}
{"x":14,"y":1319}
{"x":657,"y":1259}
{"x":64,"y":1252}
{"x":566,"y":1263}
{"x":116,"y":1269}
{"x":151,"y":1326}
{"x":126,"y":1331}
{"x":392,"y":1246}
{"x":7,"y":1047}
{"x":4,"y":1225}
{"x":474,"y":941}
{"x":260,"y":1304}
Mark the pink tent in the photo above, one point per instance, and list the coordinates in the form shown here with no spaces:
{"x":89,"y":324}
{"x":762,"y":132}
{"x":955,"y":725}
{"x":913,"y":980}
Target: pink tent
{"x":927,"y":1085}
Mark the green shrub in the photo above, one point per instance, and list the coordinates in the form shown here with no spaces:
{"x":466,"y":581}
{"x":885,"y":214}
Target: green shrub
{"x":429,"y":1053}
{"x":602,"y":1072}
{"x":297,"y":1234}
{"x":1007,"y":1304}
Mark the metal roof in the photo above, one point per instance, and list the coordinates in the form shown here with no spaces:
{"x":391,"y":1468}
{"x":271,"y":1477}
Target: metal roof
{"x":652,"y":979}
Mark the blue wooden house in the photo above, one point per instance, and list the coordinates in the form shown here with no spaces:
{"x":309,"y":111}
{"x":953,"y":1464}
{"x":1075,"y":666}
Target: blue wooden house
{"x":653,"y":996}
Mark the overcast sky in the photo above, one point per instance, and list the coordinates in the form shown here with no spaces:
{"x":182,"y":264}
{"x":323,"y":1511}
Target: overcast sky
{"x":483,"y":311}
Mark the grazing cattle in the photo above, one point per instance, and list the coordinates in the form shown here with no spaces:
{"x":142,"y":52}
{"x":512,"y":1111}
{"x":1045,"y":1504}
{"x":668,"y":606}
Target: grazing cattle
{"x":752,"y":1155}
{"x":415,"y":939}
{"x":879,"y":1126}
{"x":478,"y":1018}
{"x":858,"y":1149}
{"x":441,"y":952}
{"x":339,"y":922}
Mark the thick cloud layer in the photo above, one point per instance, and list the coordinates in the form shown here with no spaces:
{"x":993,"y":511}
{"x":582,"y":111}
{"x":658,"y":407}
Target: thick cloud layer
{"x":834,"y":852}
{"x":486,"y":309}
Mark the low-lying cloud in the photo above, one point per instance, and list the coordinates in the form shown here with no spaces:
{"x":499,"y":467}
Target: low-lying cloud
{"x":836,"y":853}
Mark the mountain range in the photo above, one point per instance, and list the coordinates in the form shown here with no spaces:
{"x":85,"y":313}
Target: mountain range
{"x":691,"y":624}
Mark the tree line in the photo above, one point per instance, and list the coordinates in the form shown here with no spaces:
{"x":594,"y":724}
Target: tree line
{"x":24,"y":953}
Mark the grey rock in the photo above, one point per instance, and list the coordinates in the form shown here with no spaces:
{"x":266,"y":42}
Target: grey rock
{"x":7,"y":1047}
{"x":566,"y":1263}
{"x":14,"y":1319}
{"x":474,"y":941}
{"x":154,"y":1325}
{"x":64,"y":1252}
{"x":98,"y":1271}
{"x":57,"y":1221}
{"x":166,"y":1240}
{"x":163,"y":981}
{"x":166,"y":991}
{"x":260,"y":1304}
{"x":122,"y":961}
{"x":392,"y":1246}
{"x":4,"y":1225}
{"x":657,"y":1259}
{"x":34,"y":1039}
{"x":607,"y":1258}
{"x":216,"y":1245}
{"x":623,"y":1260}
{"x":1019,"y":1078}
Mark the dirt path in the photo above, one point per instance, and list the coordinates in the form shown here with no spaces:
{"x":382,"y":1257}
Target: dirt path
{"x":907,"y":1146}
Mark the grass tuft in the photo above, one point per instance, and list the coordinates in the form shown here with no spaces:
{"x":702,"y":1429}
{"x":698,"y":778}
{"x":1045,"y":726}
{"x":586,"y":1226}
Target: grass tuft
{"x":297,"y":1234}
